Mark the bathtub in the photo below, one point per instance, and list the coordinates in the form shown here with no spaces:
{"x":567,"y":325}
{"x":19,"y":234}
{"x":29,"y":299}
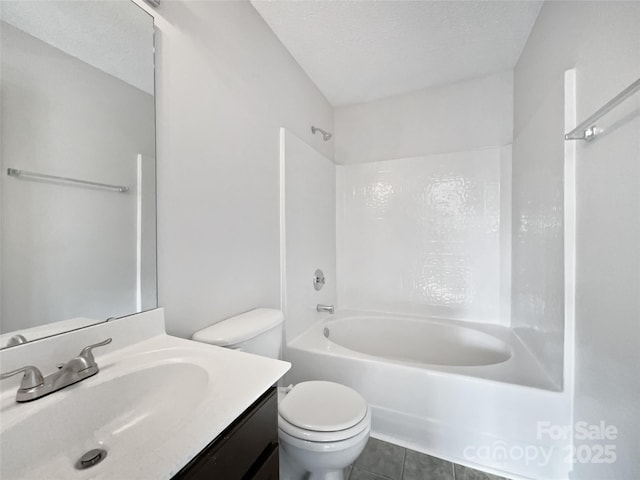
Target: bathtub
{"x":417,"y":342}
{"x":470,"y":393}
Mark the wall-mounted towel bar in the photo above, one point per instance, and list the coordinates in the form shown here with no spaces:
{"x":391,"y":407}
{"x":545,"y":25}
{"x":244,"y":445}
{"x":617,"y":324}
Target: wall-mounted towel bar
{"x":14,"y":172}
{"x":587,"y":130}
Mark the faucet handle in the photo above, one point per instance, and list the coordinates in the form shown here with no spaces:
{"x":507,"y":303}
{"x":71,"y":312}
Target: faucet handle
{"x":87,"y":355}
{"x":32,"y":377}
{"x":16,"y":340}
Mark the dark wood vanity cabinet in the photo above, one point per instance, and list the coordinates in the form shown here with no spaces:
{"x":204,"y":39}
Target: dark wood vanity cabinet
{"x":247,"y":449}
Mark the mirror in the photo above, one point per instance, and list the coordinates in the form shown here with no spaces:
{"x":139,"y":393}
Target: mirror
{"x":77,"y":185}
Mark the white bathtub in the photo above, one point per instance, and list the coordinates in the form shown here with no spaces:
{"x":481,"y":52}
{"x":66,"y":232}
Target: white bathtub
{"x":417,"y":341}
{"x":470,"y":393}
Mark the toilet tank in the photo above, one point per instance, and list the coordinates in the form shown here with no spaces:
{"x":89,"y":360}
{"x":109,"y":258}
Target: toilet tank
{"x":258,"y":331}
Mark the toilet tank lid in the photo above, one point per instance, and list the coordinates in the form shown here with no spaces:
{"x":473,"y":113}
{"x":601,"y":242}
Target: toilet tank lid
{"x":240,"y":328}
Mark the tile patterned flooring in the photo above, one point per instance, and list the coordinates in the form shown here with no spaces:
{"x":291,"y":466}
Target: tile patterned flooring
{"x":386,"y":461}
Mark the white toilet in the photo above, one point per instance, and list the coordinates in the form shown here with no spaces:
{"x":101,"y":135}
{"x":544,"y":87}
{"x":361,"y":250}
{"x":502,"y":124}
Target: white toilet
{"x":322,"y":426}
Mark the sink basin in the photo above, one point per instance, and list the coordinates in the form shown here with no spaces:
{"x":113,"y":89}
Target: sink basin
{"x":117,"y":413}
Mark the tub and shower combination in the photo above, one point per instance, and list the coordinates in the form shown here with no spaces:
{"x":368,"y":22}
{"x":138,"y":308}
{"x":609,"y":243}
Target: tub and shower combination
{"x":426,"y":381}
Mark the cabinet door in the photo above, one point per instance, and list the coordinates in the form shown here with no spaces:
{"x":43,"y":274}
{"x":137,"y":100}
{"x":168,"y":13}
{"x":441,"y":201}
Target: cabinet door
{"x":269,"y":469}
{"x":246,"y":449}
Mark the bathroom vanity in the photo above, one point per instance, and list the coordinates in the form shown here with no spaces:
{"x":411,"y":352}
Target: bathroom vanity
{"x":160,"y":407}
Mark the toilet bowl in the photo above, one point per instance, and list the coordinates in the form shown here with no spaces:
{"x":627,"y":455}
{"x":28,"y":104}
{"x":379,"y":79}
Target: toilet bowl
{"x":322,"y":426}
{"x":323,"y":461}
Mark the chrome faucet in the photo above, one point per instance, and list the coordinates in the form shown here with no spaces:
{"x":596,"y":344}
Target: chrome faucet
{"x":325,"y":308}
{"x":34,"y":385}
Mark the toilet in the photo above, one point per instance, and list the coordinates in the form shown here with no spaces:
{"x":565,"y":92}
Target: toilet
{"x":322,"y":426}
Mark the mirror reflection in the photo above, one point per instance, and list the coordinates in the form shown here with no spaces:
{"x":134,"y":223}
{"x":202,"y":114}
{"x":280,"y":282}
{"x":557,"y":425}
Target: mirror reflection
{"x":78,"y":213}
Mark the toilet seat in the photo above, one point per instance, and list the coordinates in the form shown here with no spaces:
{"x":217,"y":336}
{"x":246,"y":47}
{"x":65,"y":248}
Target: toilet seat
{"x":323,"y":412}
{"x":324,"y":437}
{"x":320,"y":446}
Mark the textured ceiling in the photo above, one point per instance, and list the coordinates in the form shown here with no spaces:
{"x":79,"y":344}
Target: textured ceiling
{"x":113,"y":36}
{"x":357,"y":51}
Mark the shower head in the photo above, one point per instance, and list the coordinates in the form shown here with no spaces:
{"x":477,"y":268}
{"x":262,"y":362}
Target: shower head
{"x":325,"y":135}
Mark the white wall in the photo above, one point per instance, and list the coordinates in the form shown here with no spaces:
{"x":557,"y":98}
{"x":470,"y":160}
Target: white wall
{"x":309,"y":232}
{"x":463,"y":116}
{"x":225,"y":85}
{"x":59,"y":238}
{"x":422,"y":235}
{"x":602,"y":41}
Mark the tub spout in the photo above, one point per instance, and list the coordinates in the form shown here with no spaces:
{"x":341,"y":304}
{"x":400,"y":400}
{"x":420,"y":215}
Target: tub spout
{"x":325,"y":308}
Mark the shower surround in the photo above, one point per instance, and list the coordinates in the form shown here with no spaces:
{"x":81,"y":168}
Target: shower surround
{"x":427,"y":240}
{"x":419,"y":243}
{"x":423,"y":235}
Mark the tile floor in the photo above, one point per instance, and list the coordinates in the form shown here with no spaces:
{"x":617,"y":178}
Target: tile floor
{"x":386,"y":461}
